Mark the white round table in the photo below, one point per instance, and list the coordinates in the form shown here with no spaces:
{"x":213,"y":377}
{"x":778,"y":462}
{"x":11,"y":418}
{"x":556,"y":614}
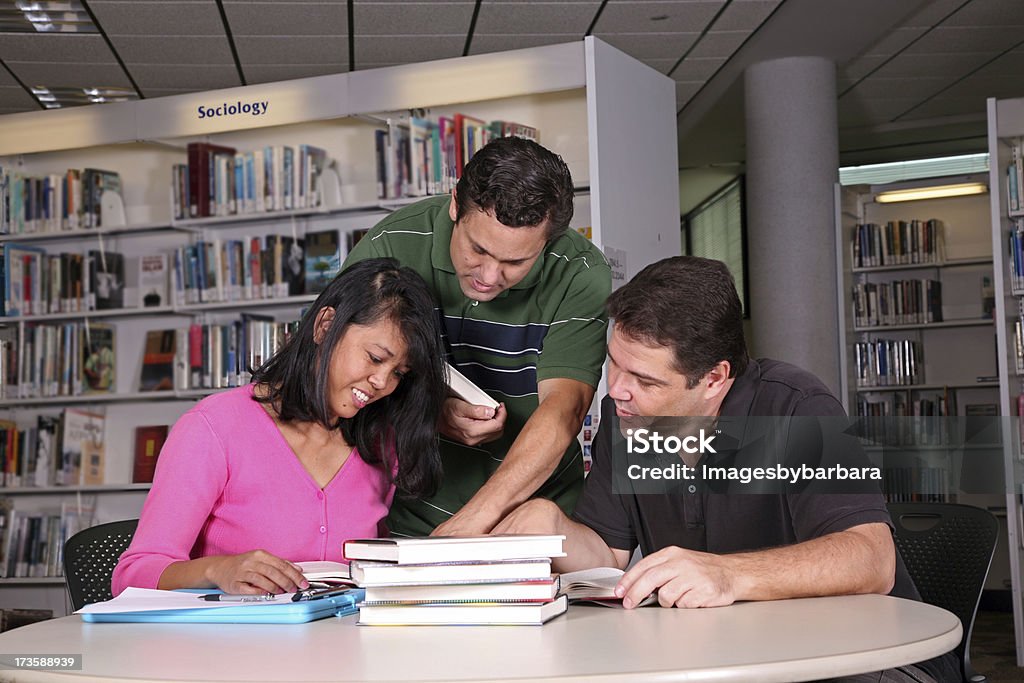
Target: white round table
{"x":786,"y":640}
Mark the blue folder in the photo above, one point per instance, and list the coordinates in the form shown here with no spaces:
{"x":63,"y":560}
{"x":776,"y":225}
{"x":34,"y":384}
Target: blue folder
{"x":263,"y":613}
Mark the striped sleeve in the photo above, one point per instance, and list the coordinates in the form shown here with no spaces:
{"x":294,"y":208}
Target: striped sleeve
{"x":574,"y":346}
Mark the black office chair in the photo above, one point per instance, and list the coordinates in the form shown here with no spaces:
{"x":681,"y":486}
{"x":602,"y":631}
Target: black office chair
{"x":948,"y":549}
{"x":90,"y":557}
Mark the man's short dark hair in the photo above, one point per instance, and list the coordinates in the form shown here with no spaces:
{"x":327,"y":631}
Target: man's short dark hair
{"x":520,"y":182}
{"x":688,"y":304}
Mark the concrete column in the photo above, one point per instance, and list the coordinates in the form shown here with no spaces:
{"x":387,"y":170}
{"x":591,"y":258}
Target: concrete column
{"x":792,"y":166}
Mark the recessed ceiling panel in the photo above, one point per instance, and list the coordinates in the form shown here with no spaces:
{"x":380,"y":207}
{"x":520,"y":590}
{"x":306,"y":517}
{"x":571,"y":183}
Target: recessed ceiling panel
{"x":283,"y":50}
{"x":719,"y":44}
{"x":950,"y":66}
{"x":921,"y":88}
{"x":497,"y":43}
{"x":644,"y":46}
{"x":686,"y":90}
{"x":745,"y":16}
{"x":131,"y":18}
{"x":697,"y":69}
{"x":669,"y":16}
{"x":967,"y":39}
{"x":15,"y":98}
{"x":193,"y":78}
{"x":407,"y":49}
{"x":412,"y":18}
{"x":989,"y":13}
{"x":54,"y":47}
{"x":269,"y":73}
{"x":287,"y":19}
{"x":866,"y":111}
{"x":53,"y":74}
{"x":173,"y":50}
{"x":511,"y":18}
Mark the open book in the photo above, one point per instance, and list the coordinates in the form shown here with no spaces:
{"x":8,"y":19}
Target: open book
{"x":597,"y":586}
{"x":462,"y":387}
{"x":326,"y":572}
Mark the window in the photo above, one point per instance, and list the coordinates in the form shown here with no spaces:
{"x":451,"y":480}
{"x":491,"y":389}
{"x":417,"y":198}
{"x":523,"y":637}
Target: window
{"x":717,"y":229}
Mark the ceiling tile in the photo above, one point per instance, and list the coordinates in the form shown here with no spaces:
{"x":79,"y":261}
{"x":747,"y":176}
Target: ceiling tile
{"x":55,"y":47}
{"x":282,"y":50}
{"x":873,"y":111}
{"x":719,"y":44}
{"x":933,"y":13}
{"x":288,"y":19}
{"x":407,"y":49}
{"x":412,"y":18}
{"x":948,"y":106}
{"x":483,"y":44}
{"x":896,"y":41}
{"x":944,"y":40}
{"x":745,"y":16}
{"x":861,"y":66}
{"x":691,"y":69}
{"x":173,"y":50}
{"x":268,"y":73}
{"x":15,"y":98}
{"x":989,"y":13}
{"x":685,"y":90}
{"x":950,"y":66}
{"x":668,"y":16}
{"x":920,"y":88}
{"x":130,"y":18}
{"x":185,"y":76}
{"x":52,"y":74}
{"x":651,"y":45}
{"x":511,"y":18}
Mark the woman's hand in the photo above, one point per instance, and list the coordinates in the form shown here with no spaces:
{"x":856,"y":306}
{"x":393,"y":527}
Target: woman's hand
{"x":256,"y":571}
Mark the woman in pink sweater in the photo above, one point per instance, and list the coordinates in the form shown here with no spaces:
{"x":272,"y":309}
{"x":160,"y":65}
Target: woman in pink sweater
{"x":287,"y":468}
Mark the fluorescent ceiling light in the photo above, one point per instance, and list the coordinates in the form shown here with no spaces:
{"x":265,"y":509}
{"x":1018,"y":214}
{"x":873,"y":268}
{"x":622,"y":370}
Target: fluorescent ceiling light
{"x":876,"y":174}
{"x":935,"y":192}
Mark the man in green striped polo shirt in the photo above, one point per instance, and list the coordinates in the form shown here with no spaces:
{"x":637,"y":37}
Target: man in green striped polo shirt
{"x":521,"y":299}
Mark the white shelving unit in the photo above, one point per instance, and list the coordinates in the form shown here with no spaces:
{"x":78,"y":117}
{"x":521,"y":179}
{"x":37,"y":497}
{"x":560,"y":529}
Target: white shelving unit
{"x":959,"y":353}
{"x":609,"y":116}
{"x":1006,"y":124}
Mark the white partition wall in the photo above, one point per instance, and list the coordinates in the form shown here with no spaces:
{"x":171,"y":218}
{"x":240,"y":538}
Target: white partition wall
{"x":610,"y":117}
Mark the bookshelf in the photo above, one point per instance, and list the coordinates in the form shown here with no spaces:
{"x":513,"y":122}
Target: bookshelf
{"x":1005,"y":129}
{"x":917,"y":333}
{"x":618,"y":140}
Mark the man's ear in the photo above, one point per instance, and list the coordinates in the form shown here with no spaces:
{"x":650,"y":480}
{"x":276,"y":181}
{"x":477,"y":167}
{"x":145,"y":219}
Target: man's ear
{"x":453,"y":208}
{"x":323,"y":323}
{"x":716,"y":381}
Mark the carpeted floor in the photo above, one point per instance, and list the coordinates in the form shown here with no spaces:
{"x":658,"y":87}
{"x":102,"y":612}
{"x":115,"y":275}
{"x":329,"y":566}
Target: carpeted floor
{"x":992,"y":648}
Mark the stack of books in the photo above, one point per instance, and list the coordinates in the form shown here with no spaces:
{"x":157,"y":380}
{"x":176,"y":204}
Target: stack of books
{"x":503,"y":579}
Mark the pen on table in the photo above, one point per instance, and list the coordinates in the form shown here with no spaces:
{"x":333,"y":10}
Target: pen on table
{"x":315,"y":594}
{"x":225,"y":597}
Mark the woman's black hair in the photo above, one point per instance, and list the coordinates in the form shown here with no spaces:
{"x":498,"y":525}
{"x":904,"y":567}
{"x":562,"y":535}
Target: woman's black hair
{"x":296,"y":377}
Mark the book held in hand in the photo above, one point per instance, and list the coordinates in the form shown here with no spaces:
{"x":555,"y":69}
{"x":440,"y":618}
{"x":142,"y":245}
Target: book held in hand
{"x":454,"y":548}
{"x":464,"y":388}
{"x":437,"y":614}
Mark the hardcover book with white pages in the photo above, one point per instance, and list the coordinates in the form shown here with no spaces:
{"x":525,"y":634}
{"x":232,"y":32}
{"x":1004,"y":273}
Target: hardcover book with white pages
{"x":597,"y":586}
{"x":389,"y":574}
{"x":465,"y":389}
{"x":454,"y":548}
{"x":440,"y":614}
{"x":543,"y":590}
